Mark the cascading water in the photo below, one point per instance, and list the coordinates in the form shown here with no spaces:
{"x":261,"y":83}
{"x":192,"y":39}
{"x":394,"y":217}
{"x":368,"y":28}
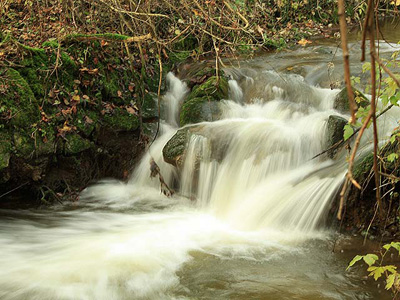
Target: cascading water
{"x":242,"y":225}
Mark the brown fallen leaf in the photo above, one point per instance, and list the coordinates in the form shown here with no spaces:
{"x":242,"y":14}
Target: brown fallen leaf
{"x":131,"y":110}
{"x":88,"y":120}
{"x":303,"y":42}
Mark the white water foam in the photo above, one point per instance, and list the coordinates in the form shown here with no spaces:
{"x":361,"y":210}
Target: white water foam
{"x":247,"y":186}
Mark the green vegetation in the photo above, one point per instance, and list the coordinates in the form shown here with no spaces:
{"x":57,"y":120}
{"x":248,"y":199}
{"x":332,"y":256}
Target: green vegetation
{"x":378,"y":270}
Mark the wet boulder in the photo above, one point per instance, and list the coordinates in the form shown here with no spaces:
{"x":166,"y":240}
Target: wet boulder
{"x":174,"y":150}
{"x":335,"y":129}
{"x":341,"y":102}
{"x":202,"y":103}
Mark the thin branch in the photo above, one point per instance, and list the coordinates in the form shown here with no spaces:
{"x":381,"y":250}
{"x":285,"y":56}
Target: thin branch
{"x":343,"y":37}
{"x":373,"y":108}
{"x":365,"y":29}
{"x":349,"y":175}
{"x":390,"y":73}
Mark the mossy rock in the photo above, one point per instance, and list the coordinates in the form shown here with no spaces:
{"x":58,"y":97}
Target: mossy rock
{"x":392,"y":166}
{"x":5,"y":150}
{"x":335,"y":129}
{"x":24,"y":144}
{"x":39,"y":64}
{"x":198,"y":110}
{"x":362,"y":167}
{"x":150,"y":106}
{"x":121,"y":120}
{"x":202,"y":103}
{"x":174,"y":149}
{"x":19,"y":100}
{"x":86,"y":121}
{"x":75,"y":144}
{"x":341,"y":102}
{"x":211,"y":89}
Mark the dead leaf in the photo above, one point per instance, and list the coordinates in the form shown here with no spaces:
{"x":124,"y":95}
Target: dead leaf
{"x":303,"y":42}
{"x":93,"y":72}
{"x":76,"y":98}
{"x":131,"y":110}
{"x":88,"y":120}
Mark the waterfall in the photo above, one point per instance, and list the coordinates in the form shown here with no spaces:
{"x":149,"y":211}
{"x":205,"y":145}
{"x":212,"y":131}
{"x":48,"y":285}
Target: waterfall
{"x":249,"y":200}
{"x":253,"y":168}
{"x":263,"y":177}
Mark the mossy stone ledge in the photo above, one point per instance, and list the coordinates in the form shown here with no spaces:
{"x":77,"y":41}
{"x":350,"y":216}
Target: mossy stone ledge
{"x":202,"y":104}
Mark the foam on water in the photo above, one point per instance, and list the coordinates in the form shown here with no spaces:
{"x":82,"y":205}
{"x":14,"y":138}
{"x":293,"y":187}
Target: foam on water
{"x":247,"y":186}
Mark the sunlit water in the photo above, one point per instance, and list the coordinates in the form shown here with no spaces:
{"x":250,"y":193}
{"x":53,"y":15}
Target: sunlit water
{"x":247,"y":221}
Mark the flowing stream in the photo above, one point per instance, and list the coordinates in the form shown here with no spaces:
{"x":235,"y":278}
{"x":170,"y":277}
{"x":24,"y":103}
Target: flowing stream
{"x":248,"y":220}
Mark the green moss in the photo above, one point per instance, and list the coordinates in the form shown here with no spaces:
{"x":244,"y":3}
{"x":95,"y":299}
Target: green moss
{"x":363,"y":167}
{"x":149,"y":106}
{"x":5,"y":149}
{"x":24,"y":144}
{"x":75,"y":144}
{"x":35,"y":71}
{"x":107,"y":36}
{"x":211,"y":90}
{"x":198,"y":110}
{"x":122,"y":120}
{"x":5,"y":38}
{"x":51,"y":44}
{"x":202,"y":103}
{"x":84,"y":125}
{"x":111,"y":86}
{"x":19,"y":100}
{"x":34,"y":51}
{"x":341,"y":102}
{"x":175,"y":147}
{"x":28,"y":144}
{"x":179,"y":56}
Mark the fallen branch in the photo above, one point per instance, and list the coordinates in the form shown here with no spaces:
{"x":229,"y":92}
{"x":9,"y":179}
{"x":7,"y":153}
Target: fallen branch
{"x":108,"y":37}
{"x":155,"y":171}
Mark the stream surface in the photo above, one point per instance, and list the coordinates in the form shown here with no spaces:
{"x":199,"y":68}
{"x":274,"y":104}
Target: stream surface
{"x":248,"y":220}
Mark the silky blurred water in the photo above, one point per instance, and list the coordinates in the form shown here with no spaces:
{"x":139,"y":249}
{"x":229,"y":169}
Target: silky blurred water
{"x":248,"y":220}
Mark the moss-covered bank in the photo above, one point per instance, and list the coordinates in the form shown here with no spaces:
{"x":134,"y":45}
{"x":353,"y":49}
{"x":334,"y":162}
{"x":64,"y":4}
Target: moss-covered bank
{"x":69,"y":113}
